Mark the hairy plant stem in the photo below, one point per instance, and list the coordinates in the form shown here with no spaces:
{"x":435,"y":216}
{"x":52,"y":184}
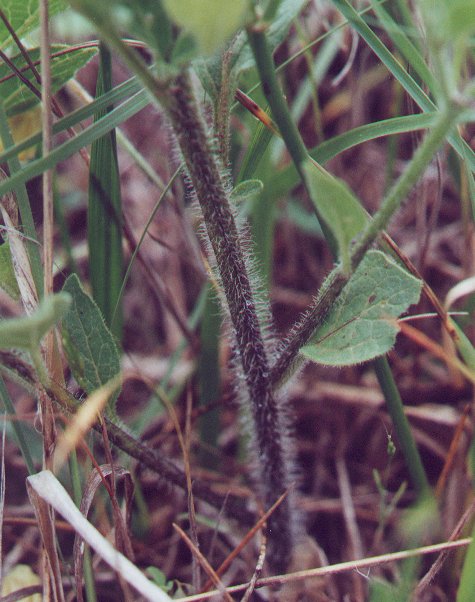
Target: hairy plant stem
{"x":287,"y":359}
{"x":268,"y":423}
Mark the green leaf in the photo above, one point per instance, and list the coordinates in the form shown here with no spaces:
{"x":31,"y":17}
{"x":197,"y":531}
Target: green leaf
{"x":212,"y":22}
{"x":246,"y":191}
{"x":26,"y":333}
{"x":7,"y":273}
{"x":184,"y":50}
{"x":17,"y":98}
{"x":159,"y":578}
{"x":362,"y":325}
{"x":337,"y":206}
{"x":24,"y":17}
{"x":88,"y":343}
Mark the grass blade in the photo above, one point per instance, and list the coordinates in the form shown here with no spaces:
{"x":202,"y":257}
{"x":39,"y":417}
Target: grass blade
{"x":105,"y":214}
{"x":398,"y":71}
{"x":23,"y":205}
{"x":20,"y":433}
{"x":104,"y":125}
{"x":128,"y":88}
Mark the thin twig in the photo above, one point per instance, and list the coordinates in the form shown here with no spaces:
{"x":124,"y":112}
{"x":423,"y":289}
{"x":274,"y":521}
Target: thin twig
{"x":337,"y":568}
{"x":257,"y":571}
{"x":47,"y":127}
{"x":246,"y":539}
{"x":349,"y":516}
{"x":203,"y":562}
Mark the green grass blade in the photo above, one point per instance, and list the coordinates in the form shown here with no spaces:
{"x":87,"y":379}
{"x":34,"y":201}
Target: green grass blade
{"x":398,"y":71}
{"x":288,"y":177}
{"x":64,"y":234}
{"x":16,"y":170}
{"x":401,"y":425}
{"x":128,"y":88}
{"x":209,"y":377}
{"x":262,"y":213}
{"x":255,"y":151}
{"x":139,"y":244}
{"x":104,"y":125}
{"x":105,"y":214}
{"x":404,"y":45}
{"x":20,"y":433}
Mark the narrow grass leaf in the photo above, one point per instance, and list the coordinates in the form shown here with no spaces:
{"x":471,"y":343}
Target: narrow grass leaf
{"x":287,"y":178}
{"x":131,"y":86}
{"x":286,"y":12}
{"x":19,"y":430}
{"x":7,"y":274}
{"x":405,"y":46}
{"x":104,"y":219}
{"x":255,"y":151}
{"x":126,"y":110}
{"x":246,"y":190}
{"x":209,"y":376}
{"x":89,"y":345}
{"x":398,"y":71}
{"x":362,"y":325}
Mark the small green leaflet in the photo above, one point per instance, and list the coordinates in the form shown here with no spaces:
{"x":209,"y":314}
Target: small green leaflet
{"x":362,"y":325}
{"x":337,"y":206}
{"x":248,"y":190}
{"x":89,"y":345}
{"x":17,"y":98}
{"x":27,"y":332}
